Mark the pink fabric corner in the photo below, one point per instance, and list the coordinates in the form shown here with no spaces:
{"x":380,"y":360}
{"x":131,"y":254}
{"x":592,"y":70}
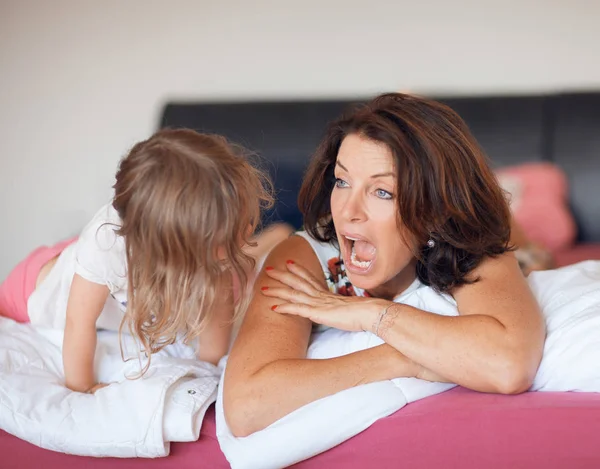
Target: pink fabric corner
{"x":542,"y":209}
{"x":577,"y":253}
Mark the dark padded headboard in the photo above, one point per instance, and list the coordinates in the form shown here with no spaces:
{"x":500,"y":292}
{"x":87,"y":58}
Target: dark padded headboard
{"x":575,"y":146}
{"x":284,"y":134}
{"x":511,"y":130}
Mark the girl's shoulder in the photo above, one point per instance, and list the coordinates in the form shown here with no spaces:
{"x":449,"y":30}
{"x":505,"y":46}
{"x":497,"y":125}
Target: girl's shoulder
{"x":102,"y":228}
{"x":100,"y":250}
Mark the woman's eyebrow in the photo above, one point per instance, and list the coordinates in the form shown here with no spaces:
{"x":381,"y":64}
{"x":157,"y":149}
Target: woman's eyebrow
{"x":381,"y":175}
{"x":374,"y":176}
{"x":337,"y":163}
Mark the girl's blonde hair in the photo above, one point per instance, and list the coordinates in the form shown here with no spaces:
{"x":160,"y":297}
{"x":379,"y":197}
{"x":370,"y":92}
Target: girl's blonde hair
{"x":183,"y":199}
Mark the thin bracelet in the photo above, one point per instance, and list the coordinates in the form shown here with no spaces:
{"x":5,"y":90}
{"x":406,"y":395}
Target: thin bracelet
{"x":381,"y":315}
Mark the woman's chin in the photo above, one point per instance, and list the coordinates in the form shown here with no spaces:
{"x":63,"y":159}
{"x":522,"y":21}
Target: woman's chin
{"x":366,"y":279}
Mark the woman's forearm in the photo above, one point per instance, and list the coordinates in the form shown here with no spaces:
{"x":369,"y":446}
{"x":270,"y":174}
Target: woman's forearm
{"x":444,"y":346}
{"x":282,"y":386}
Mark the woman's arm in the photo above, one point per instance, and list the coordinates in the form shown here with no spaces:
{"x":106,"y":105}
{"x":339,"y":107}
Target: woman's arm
{"x":85,"y":304}
{"x":494,"y":345}
{"x":215,"y":340}
{"x":268,"y":375}
{"x":267,"y":239}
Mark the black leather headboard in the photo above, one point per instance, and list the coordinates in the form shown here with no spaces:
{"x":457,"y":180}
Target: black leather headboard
{"x":511,"y":130}
{"x":283,"y":134}
{"x":575,"y":147}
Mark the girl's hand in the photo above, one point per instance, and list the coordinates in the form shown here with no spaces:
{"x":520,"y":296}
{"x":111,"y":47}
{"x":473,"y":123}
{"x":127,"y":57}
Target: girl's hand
{"x":305,"y":296}
{"x":95,"y":387}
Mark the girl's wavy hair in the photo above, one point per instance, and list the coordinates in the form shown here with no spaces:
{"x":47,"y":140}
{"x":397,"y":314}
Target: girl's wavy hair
{"x":182,"y":197}
{"x":446,"y":190}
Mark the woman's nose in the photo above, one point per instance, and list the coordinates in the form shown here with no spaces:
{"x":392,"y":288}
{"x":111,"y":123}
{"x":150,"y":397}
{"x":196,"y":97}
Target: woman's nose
{"x":353,"y":209}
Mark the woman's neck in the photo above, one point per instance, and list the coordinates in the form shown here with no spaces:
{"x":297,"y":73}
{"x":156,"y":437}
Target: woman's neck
{"x":397,"y":285}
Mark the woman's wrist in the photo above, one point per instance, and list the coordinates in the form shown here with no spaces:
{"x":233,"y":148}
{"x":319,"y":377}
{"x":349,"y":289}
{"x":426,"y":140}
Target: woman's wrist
{"x":376,"y":316}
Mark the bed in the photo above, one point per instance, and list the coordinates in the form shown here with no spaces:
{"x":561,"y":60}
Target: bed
{"x":458,"y":428}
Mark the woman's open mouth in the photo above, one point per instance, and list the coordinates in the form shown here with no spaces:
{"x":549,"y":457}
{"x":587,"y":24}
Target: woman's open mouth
{"x":359,"y":253}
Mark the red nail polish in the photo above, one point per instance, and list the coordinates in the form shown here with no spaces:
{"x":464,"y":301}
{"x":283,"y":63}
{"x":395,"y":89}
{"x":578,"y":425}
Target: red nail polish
{"x":290,"y":262}
{"x":269,"y":268}
{"x":264,"y":288}
{"x":274,"y":307}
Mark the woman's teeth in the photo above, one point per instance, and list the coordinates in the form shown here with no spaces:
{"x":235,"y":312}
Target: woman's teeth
{"x":356,"y":262}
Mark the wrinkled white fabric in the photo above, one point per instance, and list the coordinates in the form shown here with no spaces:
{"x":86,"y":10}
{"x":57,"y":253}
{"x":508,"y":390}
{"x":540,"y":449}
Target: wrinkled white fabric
{"x":129,"y":418}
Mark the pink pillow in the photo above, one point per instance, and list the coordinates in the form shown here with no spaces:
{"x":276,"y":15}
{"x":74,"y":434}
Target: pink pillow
{"x":539,"y":202}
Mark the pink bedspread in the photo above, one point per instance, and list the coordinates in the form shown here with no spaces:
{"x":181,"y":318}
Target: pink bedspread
{"x":457,"y":429}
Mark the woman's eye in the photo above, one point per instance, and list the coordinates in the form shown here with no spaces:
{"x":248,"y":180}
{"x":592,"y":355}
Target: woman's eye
{"x":383,"y":194}
{"x":340,"y":182}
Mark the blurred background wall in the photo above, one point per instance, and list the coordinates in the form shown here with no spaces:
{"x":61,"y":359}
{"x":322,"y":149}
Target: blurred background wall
{"x":82,"y":80}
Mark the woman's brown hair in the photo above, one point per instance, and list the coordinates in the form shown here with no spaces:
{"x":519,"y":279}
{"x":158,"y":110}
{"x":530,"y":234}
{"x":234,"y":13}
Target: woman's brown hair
{"x":446,"y":189}
{"x":183,"y":196}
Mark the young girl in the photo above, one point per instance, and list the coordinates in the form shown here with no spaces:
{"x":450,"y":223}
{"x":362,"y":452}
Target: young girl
{"x":162,"y":259}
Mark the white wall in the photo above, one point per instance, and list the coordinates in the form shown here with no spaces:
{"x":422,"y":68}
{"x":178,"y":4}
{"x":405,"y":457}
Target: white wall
{"x":82,"y":80}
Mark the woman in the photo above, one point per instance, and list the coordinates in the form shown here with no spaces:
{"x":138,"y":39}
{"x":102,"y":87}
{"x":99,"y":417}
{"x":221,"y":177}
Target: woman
{"x":397,"y":196}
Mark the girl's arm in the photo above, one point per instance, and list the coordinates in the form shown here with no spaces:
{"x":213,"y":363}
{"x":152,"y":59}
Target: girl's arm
{"x":268,"y":375}
{"x":85,"y":304}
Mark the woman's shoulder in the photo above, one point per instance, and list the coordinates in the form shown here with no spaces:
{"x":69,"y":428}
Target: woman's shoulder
{"x":333,"y":266}
{"x":496,"y":279}
{"x":298,"y":248}
{"x":302,"y":249}
{"x":321,"y":248}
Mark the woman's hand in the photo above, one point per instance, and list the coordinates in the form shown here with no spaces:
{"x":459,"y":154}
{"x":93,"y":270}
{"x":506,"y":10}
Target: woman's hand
{"x":305,"y":296}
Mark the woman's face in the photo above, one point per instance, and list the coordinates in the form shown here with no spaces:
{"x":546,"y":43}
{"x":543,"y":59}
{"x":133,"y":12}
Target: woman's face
{"x":364,"y":210}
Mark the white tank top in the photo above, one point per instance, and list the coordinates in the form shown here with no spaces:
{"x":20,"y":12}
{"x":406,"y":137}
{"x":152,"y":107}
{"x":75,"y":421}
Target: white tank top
{"x":335,"y":274}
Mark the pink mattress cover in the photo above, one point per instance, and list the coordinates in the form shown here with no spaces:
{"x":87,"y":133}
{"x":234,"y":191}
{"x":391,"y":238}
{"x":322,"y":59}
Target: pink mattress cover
{"x":457,"y":429}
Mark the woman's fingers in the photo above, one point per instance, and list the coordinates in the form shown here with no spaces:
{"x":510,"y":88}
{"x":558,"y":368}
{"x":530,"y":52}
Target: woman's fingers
{"x":290,"y":295}
{"x":306,"y":275}
{"x":295,"y":309}
{"x":292,"y":280}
